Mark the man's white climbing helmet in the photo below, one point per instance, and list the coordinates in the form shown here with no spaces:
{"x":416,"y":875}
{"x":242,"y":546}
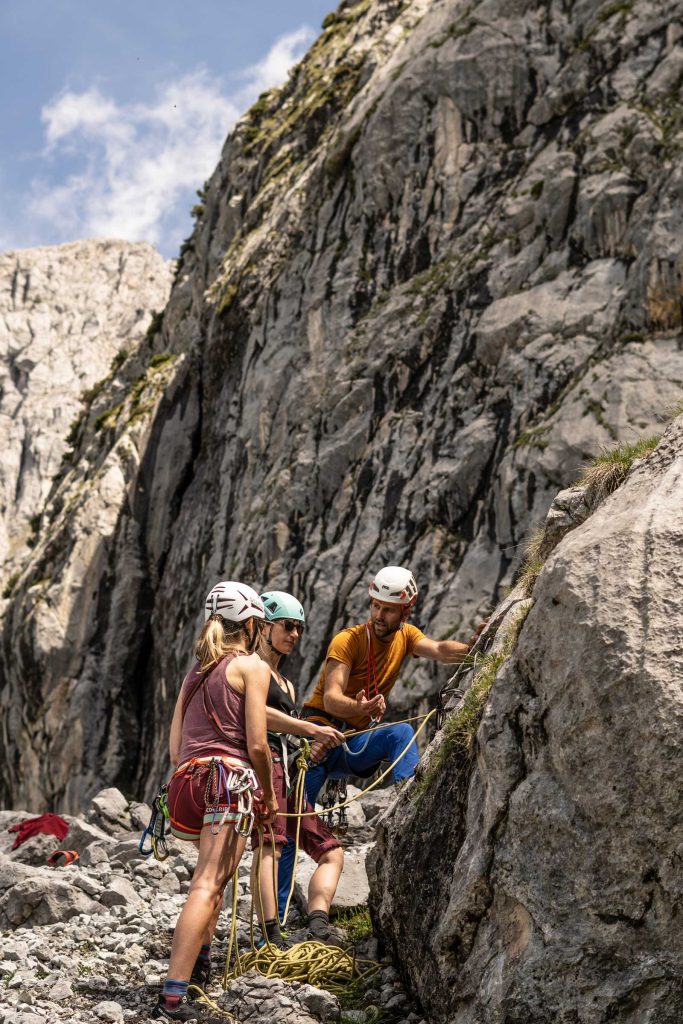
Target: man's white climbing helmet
{"x":235,"y":602}
{"x":394,"y":585}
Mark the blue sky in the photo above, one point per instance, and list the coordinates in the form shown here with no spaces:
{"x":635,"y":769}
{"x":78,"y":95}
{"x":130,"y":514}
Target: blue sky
{"x":113,"y":112}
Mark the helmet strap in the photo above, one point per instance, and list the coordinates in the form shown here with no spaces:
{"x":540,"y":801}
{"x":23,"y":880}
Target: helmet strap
{"x":268,"y":639}
{"x":251,"y":645}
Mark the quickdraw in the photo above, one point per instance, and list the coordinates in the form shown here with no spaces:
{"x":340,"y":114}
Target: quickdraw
{"x":447,"y":693}
{"x":156,"y":830}
{"x":334,"y":793}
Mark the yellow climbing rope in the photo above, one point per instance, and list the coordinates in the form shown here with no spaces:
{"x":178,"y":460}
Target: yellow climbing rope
{"x":380,"y":778}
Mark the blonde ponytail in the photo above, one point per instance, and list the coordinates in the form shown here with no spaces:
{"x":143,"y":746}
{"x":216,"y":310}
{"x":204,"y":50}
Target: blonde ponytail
{"x":218,"y":638}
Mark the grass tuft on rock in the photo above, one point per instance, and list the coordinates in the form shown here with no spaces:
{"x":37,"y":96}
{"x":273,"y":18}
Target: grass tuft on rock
{"x":356,"y":923}
{"x":529,"y":572}
{"x":609,"y":469}
{"x":461,"y":726}
{"x":534,"y":545}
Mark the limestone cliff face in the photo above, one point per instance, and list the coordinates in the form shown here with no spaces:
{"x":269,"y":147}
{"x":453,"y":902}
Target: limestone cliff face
{"x":431,"y":275}
{"x":545,"y":875}
{"x":65,"y":313}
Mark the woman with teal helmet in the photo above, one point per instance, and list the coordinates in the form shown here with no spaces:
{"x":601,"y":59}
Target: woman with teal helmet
{"x":279,"y":605}
{"x":281,"y":629}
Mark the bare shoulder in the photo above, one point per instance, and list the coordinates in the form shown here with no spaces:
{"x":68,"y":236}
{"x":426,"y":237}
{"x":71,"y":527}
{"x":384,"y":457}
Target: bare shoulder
{"x":244,"y":669}
{"x":253,"y":668}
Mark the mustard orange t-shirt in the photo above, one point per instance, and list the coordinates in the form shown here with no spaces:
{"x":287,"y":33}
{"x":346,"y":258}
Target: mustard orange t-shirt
{"x":350,"y":646}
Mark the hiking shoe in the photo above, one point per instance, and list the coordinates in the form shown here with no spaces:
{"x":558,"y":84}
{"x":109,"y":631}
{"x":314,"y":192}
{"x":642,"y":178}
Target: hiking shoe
{"x":186,"y":1011}
{"x":201,"y":976}
{"x":329,"y":936}
{"x":280,"y":941}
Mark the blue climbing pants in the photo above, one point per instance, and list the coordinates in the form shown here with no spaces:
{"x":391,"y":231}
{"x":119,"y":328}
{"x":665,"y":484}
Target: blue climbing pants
{"x":366,"y":753}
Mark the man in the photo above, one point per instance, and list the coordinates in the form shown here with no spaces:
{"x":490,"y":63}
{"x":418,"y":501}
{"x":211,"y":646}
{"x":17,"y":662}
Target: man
{"x":361,"y":667}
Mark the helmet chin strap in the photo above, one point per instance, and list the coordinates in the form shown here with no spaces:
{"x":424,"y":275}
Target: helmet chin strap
{"x":269,"y":641}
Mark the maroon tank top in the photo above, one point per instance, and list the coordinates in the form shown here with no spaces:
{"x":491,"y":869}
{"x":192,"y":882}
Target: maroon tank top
{"x":214,"y":699}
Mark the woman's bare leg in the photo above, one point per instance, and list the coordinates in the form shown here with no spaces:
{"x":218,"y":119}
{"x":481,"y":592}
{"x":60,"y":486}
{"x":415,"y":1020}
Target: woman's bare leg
{"x":324,"y":880}
{"x":218,"y":858}
{"x":268,"y":897}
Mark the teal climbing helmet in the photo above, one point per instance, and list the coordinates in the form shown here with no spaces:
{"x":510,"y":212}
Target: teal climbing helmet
{"x":279,"y":605}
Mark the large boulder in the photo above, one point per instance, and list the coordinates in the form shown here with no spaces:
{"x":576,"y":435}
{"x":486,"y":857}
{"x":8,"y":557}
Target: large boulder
{"x":542,"y":881}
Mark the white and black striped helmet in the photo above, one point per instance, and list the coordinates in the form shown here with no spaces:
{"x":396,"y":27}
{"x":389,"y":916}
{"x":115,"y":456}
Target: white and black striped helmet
{"x":394,"y":585}
{"x":235,"y":602}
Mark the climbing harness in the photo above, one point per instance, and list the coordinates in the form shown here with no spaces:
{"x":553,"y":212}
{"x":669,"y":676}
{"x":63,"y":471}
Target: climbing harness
{"x":231,"y":787}
{"x":156,"y":830}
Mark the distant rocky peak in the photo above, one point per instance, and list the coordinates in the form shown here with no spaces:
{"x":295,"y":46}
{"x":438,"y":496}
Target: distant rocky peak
{"x":66,"y":314}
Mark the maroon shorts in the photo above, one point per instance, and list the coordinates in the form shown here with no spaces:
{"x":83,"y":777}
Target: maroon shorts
{"x":315,"y":838}
{"x":196,"y":799}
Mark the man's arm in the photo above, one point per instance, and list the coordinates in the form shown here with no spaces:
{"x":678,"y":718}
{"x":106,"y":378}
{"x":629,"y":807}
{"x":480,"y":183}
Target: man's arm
{"x":450,"y":652}
{"x":336,"y":701}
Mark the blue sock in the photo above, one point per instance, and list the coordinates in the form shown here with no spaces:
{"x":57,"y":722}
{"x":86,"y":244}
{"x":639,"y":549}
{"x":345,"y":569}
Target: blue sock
{"x":205,"y":953}
{"x":173,"y":992}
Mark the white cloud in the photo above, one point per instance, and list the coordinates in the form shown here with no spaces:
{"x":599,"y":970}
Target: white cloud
{"x":139,"y":164}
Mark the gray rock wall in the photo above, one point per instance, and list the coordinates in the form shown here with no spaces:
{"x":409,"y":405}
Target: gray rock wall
{"x":544,"y":879}
{"x":432,"y":274}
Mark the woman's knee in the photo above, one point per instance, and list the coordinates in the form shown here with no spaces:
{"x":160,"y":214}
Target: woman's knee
{"x":333,"y":856}
{"x":209,"y":892}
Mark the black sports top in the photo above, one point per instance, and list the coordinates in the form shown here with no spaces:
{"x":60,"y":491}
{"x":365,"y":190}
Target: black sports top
{"x":281,"y":701}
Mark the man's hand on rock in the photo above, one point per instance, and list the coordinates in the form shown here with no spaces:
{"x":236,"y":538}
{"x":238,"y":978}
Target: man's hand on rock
{"x":477,"y":633}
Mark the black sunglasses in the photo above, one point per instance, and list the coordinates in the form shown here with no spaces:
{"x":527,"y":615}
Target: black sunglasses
{"x":290,"y":624}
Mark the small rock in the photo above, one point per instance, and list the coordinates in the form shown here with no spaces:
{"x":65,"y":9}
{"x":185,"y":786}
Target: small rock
{"x":96,"y":853}
{"x":61,"y":990}
{"x":109,"y":1010}
{"x":109,"y":810}
{"x":140,"y":815}
{"x":119,"y":892}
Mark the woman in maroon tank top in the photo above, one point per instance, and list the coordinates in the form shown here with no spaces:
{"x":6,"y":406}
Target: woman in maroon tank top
{"x":218,"y":736}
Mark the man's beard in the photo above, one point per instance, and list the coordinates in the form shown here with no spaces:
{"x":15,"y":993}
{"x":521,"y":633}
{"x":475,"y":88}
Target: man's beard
{"x":385,"y":630}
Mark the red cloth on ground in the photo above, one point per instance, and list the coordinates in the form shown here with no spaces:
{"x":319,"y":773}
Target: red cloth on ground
{"x":52,"y":824}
